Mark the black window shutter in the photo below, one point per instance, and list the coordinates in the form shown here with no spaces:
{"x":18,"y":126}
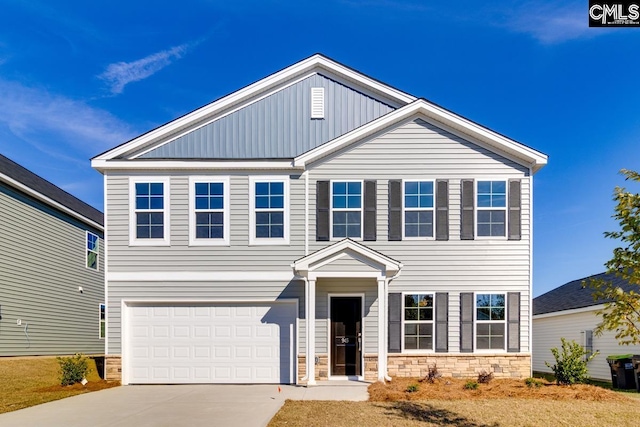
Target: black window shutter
{"x":515,"y":216}
{"x":467,"y":219}
{"x":395,"y":322}
{"x":442,"y":210}
{"x":466,"y":322}
{"x":322,"y":210}
{"x":370,"y":205}
{"x":442,"y":322}
{"x":513,"y":322}
{"x":395,"y":210}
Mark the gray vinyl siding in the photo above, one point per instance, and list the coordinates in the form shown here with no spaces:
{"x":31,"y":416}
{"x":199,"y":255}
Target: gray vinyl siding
{"x":180,"y":256}
{"x":278,"y":126}
{"x":42,"y":265}
{"x":195,"y":291}
{"x":418,"y":150}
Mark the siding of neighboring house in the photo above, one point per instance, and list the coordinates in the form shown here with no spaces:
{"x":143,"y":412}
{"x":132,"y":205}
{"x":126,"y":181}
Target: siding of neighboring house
{"x":278,"y":125}
{"x":547,"y":331}
{"x":492,"y":265}
{"x":42,"y":265}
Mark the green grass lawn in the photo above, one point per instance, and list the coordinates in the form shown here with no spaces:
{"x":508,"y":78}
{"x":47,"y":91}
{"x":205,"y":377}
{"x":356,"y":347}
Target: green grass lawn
{"x":32,"y":381}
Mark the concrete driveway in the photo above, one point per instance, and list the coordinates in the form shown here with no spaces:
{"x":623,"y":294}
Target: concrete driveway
{"x":176,"y":405}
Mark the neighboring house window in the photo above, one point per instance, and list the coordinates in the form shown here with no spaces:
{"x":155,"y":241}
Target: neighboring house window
{"x":209,"y":211}
{"x":270,"y":215}
{"x":490,"y":321}
{"x":102,"y":322}
{"x":92,"y":250}
{"x":418,"y":208}
{"x":418,"y":322}
{"x":346,"y":209}
{"x":491,"y":208}
{"x":149,"y":211}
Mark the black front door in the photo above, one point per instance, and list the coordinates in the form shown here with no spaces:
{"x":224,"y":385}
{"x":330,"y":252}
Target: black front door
{"x":346,"y":335}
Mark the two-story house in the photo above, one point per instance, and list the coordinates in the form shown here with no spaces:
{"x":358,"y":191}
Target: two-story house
{"x":317,"y":224}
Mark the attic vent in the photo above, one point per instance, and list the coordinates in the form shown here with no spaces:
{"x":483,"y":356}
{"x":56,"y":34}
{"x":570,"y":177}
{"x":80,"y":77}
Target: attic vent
{"x":317,"y":103}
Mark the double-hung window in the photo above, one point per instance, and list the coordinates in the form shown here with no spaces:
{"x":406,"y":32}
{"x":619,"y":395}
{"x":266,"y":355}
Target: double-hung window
{"x":491,"y":203}
{"x":490,"y":321}
{"x":102,"y":322}
{"x":418,"y":322}
{"x":269,"y":211}
{"x":418,"y":205}
{"x":149,"y":211}
{"x":346,"y":209}
{"x":93,"y":242}
{"x":209,"y":211}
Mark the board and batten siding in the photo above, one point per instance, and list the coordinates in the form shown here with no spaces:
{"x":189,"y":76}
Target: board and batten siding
{"x":42,"y":265}
{"x":418,"y":150}
{"x":548,"y":330}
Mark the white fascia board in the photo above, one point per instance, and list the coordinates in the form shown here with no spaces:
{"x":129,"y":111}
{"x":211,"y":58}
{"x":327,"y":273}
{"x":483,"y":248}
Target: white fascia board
{"x":102,"y":165}
{"x":250,"y":91}
{"x":567,"y":312}
{"x":41,"y":197}
{"x":525,"y":155}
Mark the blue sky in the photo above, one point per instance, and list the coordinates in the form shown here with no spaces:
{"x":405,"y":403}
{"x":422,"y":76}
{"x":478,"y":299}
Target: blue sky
{"x":79,"y":77}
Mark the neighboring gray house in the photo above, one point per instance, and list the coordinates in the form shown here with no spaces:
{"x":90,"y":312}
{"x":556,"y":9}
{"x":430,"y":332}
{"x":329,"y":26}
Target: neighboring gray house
{"x":317,"y":224}
{"x":51,"y":268}
{"x":569,"y":311}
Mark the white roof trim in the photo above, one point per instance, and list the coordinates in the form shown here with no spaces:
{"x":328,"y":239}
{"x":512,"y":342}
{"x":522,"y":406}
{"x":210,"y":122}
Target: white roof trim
{"x":570,"y":311}
{"x":304,"y":264}
{"x":242,"y":95}
{"x":41,"y":197}
{"x":103,"y":165}
{"x":496,"y":142}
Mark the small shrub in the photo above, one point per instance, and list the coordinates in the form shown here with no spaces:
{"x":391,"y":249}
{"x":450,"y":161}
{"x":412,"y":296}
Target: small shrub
{"x":571,"y":363}
{"x":72,"y":369}
{"x":471,"y":385}
{"x":412,"y":388}
{"x":533,"y":383}
{"x":485,"y":377}
{"x":432,"y":375}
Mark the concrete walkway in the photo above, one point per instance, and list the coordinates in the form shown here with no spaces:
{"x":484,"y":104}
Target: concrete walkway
{"x":177,"y":405}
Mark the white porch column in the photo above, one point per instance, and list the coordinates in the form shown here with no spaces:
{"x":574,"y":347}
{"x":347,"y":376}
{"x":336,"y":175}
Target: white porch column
{"x":382,"y":336}
{"x":311,"y":331}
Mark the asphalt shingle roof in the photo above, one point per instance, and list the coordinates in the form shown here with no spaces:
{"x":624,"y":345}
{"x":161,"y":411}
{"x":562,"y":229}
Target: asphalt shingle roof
{"x":44,"y":187}
{"x":572,"y":295}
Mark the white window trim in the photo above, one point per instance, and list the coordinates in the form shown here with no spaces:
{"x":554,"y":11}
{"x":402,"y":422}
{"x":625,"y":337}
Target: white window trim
{"x":224,"y":180}
{"x":166,"y":240}
{"x":252,"y":210}
{"x":476,"y":322}
{"x":100,"y":321}
{"x":332,"y":209}
{"x":86,"y":251}
{"x":433,"y":209}
{"x":478,"y":209}
{"x":433,"y":322}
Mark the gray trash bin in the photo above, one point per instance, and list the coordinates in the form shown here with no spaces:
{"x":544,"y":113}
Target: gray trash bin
{"x":635,"y":360}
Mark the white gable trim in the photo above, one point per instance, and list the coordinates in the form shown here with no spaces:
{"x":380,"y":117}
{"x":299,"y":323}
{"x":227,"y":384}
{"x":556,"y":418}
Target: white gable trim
{"x":442,"y":118}
{"x":303,"y":67}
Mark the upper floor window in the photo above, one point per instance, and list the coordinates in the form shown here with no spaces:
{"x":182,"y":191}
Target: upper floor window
{"x":491,"y":203}
{"x":269,"y":211}
{"x":418,"y":208}
{"x":92,"y":250}
{"x":209,"y":211}
{"x":346,"y":209}
{"x":149,"y":211}
{"x":418,"y":322}
{"x":102,"y":322}
{"x":490,"y":321}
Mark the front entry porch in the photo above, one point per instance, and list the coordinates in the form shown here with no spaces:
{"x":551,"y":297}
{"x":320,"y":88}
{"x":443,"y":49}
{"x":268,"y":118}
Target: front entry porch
{"x":345,"y":321}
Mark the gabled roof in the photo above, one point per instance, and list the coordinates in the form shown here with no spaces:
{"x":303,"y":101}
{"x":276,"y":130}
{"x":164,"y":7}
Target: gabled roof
{"x":27,"y":182}
{"x":573,"y":295}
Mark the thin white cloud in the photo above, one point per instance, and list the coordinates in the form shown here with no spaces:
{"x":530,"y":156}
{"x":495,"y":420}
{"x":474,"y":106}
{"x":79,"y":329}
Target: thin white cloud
{"x":56,"y":125}
{"x":119,"y":74}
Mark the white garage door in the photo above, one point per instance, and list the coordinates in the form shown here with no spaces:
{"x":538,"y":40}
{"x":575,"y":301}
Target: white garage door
{"x":213,"y":343}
